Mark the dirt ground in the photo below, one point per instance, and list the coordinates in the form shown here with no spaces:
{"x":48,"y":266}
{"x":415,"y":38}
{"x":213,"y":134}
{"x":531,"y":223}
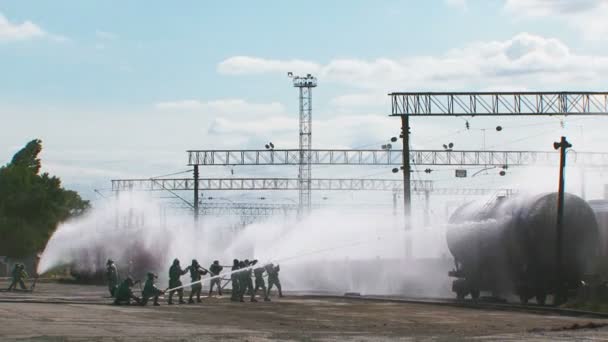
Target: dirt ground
{"x":61,"y":312}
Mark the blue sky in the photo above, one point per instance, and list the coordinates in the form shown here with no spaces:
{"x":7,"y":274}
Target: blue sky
{"x":121,"y":89}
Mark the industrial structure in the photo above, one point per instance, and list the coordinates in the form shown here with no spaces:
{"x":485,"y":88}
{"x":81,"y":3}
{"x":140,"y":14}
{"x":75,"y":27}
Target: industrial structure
{"x":404,"y":105}
{"x":305,"y":85}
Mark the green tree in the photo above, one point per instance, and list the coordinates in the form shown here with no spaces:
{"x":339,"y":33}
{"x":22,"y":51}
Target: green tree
{"x":32,"y":204}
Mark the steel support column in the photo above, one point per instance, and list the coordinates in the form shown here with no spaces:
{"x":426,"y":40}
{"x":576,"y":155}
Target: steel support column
{"x":563,"y":145}
{"x":407,"y":193}
{"x":196,"y":204}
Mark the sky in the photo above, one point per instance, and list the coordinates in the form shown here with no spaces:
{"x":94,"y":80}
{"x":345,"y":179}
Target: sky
{"x":121,"y":89}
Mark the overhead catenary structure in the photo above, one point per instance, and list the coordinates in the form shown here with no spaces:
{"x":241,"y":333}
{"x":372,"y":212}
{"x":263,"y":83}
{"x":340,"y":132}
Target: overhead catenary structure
{"x":250,"y":212}
{"x":377,"y":157}
{"x":412,"y":104}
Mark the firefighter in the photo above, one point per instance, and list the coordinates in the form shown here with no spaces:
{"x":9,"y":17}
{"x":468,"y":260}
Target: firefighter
{"x":259,"y":282}
{"x":215,"y":269}
{"x":111,"y":276}
{"x":124,"y":294}
{"x":175,"y":272}
{"x":234,"y":277}
{"x":273,"y":278}
{"x":18,"y":275}
{"x":150,"y":290}
{"x":196,"y":271}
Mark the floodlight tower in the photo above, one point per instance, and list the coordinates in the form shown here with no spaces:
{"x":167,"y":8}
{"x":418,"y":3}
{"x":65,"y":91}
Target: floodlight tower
{"x":305,"y":84}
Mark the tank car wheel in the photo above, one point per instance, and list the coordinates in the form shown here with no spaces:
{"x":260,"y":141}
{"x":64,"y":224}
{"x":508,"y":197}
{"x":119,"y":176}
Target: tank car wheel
{"x":541,"y":298}
{"x":475,"y":294}
{"x":523,"y":299}
{"x":460,"y":295}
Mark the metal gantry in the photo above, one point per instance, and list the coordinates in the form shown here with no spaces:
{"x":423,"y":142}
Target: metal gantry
{"x":267,"y":184}
{"x":305,"y":85}
{"x":499,"y":103}
{"x":272,"y":184}
{"x":406,"y":104}
{"x":391,"y":157}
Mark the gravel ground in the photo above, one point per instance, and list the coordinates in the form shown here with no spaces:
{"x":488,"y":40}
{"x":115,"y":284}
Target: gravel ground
{"x":60,"y":312}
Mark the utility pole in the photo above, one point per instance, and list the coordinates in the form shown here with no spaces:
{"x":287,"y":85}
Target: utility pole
{"x":305,"y":85}
{"x":560,"y":294}
{"x":407,"y":190}
{"x":407,"y":193}
{"x":196,"y":206}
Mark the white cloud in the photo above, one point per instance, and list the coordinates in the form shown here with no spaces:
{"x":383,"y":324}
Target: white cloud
{"x":524,"y":61}
{"x":223,"y":107}
{"x":551,"y":7}
{"x":360,"y":100}
{"x":354,"y":130}
{"x":24,"y":31}
{"x":240,"y":65}
{"x":586,"y":16}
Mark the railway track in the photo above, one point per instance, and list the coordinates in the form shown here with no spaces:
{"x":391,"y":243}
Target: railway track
{"x":479,"y":304}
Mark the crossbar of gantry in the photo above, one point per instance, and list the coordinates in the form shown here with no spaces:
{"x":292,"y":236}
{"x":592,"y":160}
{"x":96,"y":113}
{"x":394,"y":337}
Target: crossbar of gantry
{"x":271,"y":184}
{"x":499,"y":103}
{"x":213,"y":184}
{"x":392,"y":157}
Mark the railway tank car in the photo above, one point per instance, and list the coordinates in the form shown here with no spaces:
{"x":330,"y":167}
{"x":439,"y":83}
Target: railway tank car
{"x":507,"y":246}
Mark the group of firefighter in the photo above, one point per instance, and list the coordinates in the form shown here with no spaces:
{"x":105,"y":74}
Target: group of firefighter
{"x":241,"y":273}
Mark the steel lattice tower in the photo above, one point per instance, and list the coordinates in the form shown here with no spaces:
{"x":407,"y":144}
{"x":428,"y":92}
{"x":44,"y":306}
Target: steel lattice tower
{"x":305,"y":85}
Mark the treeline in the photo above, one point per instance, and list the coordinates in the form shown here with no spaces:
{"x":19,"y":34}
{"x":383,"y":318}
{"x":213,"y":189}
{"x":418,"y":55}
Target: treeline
{"x":32,"y":204}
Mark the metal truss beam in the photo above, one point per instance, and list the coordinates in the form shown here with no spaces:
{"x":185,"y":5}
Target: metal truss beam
{"x":264,"y":184}
{"x":498,"y":103}
{"x":210,"y":184}
{"x":392,"y":157}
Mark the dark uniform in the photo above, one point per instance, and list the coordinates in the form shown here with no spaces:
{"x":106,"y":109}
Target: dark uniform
{"x":17,"y":277}
{"x":111,"y":276}
{"x":175,"y":272}
{"x":236,"y":286}
{"x":124,"y":294}
{"x":215,"y":269}
{"x":259,"y":282}
{"x":196,"y":271}
{"x":247,"y":279}
{"x":273,"y":278}
{"x":243,"y":283}
{"x":150,"y":290}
